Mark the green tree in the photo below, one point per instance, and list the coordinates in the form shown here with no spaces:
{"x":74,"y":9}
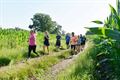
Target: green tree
{"x":42,"y":22}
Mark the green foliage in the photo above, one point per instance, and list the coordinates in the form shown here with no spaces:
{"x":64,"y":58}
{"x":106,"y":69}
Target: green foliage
{"x":98,"y":22}
{"x":13,"y":57}
{"x":99,"y":61}
{"x":108,"y":32}
{"x":112,"y":21}
{"x":82,"y":68}
{"x":43,"y":22}
{"x":103,"y":31}
{"x":34,"y":68}
{"x":14,"y":45}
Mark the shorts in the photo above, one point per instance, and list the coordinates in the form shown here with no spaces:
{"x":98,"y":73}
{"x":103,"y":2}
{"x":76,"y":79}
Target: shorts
{"x":46,"y":43}
{"x":78,"y":44}
{"x":73,"y":47}
{"x":58,"y":43}
{"x":83,"y":43}
{"x":32,"y":47}
{"x":67,"y":43}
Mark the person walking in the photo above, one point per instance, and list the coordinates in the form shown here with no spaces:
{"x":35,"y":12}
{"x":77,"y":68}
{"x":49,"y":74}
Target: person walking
{"x":58,"y":41}
{"x":46,"y":42}
{"x":67,"y":38}
{"x":73,"y":43}
{"x":32,"y":43}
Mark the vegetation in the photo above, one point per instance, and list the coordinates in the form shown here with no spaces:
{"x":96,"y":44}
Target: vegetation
{"x":14,"y":45}
{"x":13,"y":53}
{"x":112,"y":21}
{"x":31,"y":69}
{"x":99,"y":61}
{"x":43,"y":22}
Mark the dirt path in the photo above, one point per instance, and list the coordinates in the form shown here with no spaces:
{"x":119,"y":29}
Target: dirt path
{"x":54,"y":70}
{"x":52,"y":73}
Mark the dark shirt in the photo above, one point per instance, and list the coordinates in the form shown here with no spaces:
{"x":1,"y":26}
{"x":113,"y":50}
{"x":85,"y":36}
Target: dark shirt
{"x":58,"y":37}
{"x":46,"y":38}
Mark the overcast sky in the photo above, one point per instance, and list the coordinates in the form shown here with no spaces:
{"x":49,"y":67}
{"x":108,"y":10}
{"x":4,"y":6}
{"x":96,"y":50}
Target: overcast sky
{"x":73,"y":15}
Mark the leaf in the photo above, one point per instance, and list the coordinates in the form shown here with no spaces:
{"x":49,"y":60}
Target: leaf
{"x":103,"y":31}
{"x":98,"y":22}
{"x":113,"y":10}
{"x":115,"y":16}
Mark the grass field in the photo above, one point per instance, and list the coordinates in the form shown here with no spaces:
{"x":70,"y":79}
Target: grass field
{"x":100,"y":59}
{"x":14,"y":45}
{"x":13,"y":54}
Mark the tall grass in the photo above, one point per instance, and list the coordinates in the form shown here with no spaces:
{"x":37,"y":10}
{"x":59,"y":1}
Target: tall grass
{"x":14,"y":44}
{"x":34,"y":68}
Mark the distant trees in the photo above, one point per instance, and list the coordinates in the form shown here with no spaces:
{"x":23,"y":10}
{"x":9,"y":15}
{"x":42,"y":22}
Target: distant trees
{"x":43,"y":22}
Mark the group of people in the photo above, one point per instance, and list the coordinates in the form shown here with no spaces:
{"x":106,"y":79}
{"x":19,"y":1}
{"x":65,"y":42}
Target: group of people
{"x":76,"y":42}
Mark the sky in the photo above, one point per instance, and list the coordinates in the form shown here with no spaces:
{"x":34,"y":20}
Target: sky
{"x":73,"y":15}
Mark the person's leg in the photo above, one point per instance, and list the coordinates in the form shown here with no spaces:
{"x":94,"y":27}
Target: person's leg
{"x":78,"y":48}
{"x":44,"y":46}
{"x":72,"y":49}
{"x":75,"y":47}
{"x":68,"y":46}
{"x":34,"y":50}
{"x":29,"y":51}
{"x":60,"y":43}
{"x":48,"y":49}
{"x":82,"y":47}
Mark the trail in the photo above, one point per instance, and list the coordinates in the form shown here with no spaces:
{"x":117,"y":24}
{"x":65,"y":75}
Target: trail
{"x":52,"y":73}
{"x":54,"y":70}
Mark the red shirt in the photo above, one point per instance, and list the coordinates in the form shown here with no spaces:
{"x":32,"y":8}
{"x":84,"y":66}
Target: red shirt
{"x":73,"y":40}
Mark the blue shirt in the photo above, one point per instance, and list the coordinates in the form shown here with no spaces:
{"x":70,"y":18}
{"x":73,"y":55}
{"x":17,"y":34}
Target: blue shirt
{"x":67,"y":38}
{"x":80,"y":40}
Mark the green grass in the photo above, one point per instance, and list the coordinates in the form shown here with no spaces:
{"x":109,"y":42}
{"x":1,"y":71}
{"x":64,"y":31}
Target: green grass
{"x":32,"y":68}
{"x":13,"y":54}
{"x":100,"y":45}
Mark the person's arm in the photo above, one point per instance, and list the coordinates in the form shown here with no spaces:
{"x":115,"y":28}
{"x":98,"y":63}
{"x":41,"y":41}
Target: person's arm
{"x":60,"y":37}
{"x":48,"y":37}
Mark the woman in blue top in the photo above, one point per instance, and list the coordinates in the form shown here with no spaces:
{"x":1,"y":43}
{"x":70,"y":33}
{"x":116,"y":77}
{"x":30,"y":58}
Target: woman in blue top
{"x":67,"y":38}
